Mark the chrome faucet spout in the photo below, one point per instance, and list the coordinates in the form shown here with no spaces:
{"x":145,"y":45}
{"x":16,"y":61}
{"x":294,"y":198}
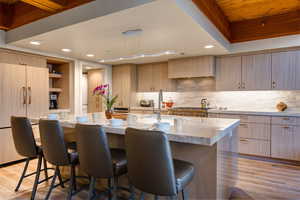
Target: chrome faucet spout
{"x":160,"y":100}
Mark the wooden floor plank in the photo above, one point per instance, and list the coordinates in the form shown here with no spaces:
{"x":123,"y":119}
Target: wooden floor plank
{"x":260,"y":180}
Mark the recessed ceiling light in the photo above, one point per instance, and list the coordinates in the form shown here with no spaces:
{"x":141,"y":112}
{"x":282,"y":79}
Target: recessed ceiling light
{"x":209,"y":46}
{"x":132,"y":32}
{"x":90,"y":55}
{"x":139,"y":56}
{"x":66,"y":50}
{"x":37,"y":43}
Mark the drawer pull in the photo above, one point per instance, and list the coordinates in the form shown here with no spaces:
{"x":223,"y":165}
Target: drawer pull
{"x":286,"y":118}
{"x":244,"y":140}
{"x":244,"y":125}
{"x":286,"y":127}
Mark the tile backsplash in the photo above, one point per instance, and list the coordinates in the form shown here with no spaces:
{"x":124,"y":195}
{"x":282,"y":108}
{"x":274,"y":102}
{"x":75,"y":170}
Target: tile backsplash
{"x":234,"y":100}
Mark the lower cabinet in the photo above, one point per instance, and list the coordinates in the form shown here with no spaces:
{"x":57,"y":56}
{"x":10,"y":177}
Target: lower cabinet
{"x":8,"y":152}
{"x":254,"y":147}
{"x":285,"y":142}
{"x":255,"y":131}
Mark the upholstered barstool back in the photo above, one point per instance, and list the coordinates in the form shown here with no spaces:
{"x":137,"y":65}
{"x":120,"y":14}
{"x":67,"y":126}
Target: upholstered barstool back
{"x":150,"y":163}
{"x":52,"y":139}
{"x":23,"y":137}
{"x":94,"y":153}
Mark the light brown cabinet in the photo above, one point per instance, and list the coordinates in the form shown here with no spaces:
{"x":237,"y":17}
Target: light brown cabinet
{"x":255,"y":131}
{"x":37,"y":91}
{"x":254,"y":147}
{"x":153,"y":77}
{"x":254,"y":134}
{"x":8,"y":151}
{"x":124,"y":84}
{"x":284,"y":70}
{"x":228,"y":73}
{"x":256,"y":72}
{"x":285,"y":142}
{"x":13,"y":92}
{"x":277,"y":71}
{"x":17,"y":58}
{"x":203,"y":66}
{"x":24,"y":92}
{"x":251,"y":72}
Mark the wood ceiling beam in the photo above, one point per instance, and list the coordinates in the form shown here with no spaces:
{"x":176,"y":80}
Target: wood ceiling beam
{"x":266,"y":27}
{"x":47,"y":5}
{"x":211,"y":9}
{"x":25,"y":13}
{"x":3,"y":21}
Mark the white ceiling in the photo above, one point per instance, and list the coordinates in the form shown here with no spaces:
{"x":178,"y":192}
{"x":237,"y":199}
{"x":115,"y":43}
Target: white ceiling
{"x":165,"y":27}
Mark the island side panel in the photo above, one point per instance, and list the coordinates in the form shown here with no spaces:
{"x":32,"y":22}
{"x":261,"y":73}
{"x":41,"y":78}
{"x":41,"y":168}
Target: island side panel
{"x":204,"y":159}
{"x":227,"y":172}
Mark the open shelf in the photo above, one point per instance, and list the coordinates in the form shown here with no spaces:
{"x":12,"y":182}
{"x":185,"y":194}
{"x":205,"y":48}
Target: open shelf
{"x":60,"y":81}
{"x":55,"y":90}
{"x":53,"y":75}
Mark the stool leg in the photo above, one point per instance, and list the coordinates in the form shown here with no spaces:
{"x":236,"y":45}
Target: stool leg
{"x":72,"y":182}
{"x":52,"y":183}
{"x":185,"y":195}
{"x":37,"y":177}
{"x":23,"y":174}
{"x":74,"y":177}
{"x":91,"y":188}
{"x":45,"y":168}
{"x":60,"y":178}
{"x":114,"y":184}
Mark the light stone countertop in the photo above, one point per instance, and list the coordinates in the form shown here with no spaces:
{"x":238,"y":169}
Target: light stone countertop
{"x":195,"y":130}
{"x":242,"y":111}
{"x":274,"y":112}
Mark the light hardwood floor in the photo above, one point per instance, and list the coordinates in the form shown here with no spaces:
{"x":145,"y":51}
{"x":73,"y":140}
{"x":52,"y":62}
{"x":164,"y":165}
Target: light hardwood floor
{"x":259,"y":179}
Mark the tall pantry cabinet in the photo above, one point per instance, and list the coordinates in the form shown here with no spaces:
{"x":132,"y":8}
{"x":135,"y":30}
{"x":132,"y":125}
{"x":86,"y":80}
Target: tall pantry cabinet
{"x":23,"y":92}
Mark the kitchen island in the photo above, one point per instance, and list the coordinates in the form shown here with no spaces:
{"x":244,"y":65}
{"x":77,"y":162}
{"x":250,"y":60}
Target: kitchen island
{"x":209,"y":143}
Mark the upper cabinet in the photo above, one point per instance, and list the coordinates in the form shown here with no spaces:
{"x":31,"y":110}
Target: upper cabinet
{"x":22,"y":59}
{"x":284,"y":68}
{"x":228,"y":73}
{"x":153,"y":77}
{"x":192,"y":67}
{"x":256,"y":72}
{"x":269,"y":71}
{"x":124,"y":84}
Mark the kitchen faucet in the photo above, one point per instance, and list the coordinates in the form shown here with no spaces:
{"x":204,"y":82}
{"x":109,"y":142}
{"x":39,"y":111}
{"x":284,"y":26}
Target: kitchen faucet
{"x":160,"y":100}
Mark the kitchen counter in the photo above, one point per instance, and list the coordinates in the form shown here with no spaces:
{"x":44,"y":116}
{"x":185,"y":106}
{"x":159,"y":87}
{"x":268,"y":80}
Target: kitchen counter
{"x":209,"y":144}
{"x":195,"y":130}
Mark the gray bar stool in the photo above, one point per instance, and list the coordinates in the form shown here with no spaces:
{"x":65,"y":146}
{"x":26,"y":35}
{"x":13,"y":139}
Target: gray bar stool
{"x":151,"y":168}
{"x":97,"y":160}
{"x":56,"y":153}
{"x":26,"y":146}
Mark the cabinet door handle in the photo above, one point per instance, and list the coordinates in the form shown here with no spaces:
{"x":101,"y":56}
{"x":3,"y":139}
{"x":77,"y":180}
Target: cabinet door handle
{"x":273,"y":84}
{"x":239,"y":85}
{"x":29,"y":95}
{"x":24,"y":95}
